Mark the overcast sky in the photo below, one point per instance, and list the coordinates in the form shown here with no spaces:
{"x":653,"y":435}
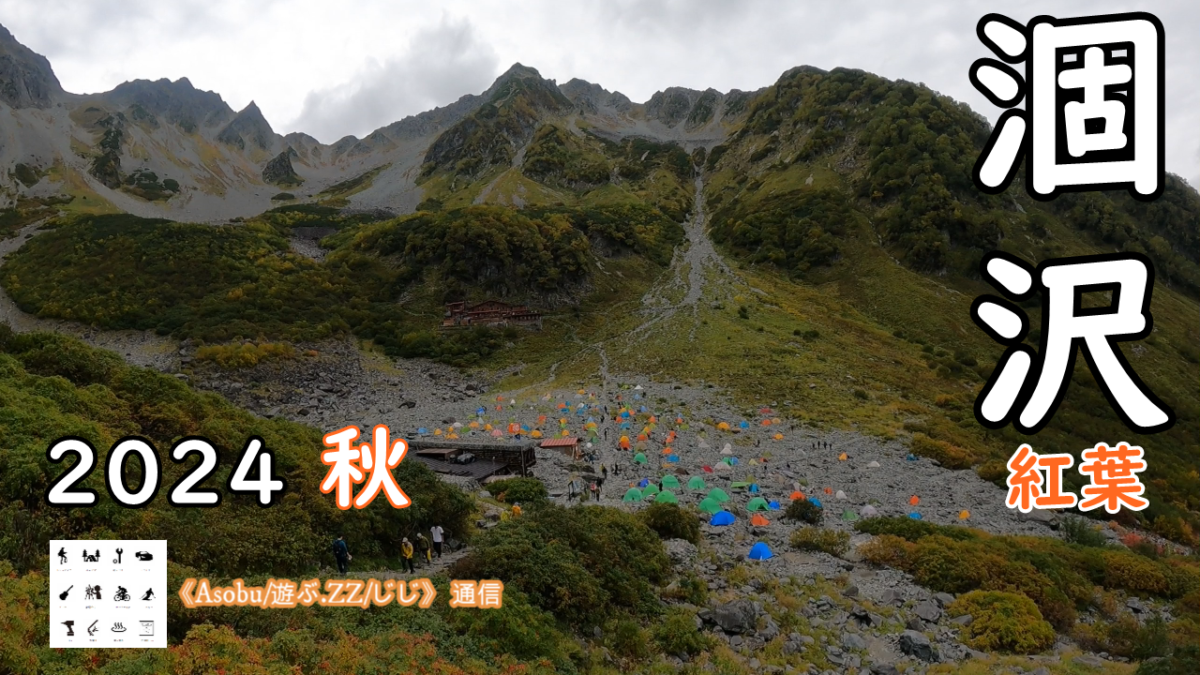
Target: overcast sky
{"x":337,"y":68}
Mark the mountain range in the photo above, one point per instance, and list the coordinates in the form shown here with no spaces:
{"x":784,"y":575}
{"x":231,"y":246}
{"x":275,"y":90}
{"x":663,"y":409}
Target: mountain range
{"x":226,"y":163}
{"x":816,"y":241}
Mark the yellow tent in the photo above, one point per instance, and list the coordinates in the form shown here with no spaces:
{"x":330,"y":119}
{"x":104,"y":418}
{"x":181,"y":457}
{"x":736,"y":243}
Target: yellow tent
{"x":723,"y":426}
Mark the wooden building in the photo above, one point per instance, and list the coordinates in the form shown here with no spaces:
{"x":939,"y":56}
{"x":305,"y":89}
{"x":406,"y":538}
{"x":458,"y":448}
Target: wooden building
{"x":486,"y":459}
{"x":491,"y":313}
{"x":568,"y":446}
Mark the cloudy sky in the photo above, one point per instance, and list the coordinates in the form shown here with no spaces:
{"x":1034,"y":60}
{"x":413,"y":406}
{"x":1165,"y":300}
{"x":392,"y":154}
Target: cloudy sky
{"x":337,"y":68}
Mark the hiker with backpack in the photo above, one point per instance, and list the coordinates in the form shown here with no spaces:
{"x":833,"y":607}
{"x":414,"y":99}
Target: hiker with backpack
{"x":342,"y":554}
{"x":406,"y":555}
{"x":424,"y":547}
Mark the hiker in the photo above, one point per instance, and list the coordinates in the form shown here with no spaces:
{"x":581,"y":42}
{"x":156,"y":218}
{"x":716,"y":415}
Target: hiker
{"x":437,"y":533}
{"x":406,"y":553}
{"x":604,"y":470}
{"x":425,"y":549}
{"x":516,"y":509}
{"x":595,"y":492}
{"x":342,"y":554}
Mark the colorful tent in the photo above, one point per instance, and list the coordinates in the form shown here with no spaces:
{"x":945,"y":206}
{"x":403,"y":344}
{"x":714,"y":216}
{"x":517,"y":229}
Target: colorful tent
{"x":773,"y":505}
{"x":849,"y":516}
{"x":914,"y":515}
{"x":758,"y":504}
{"x":964,"y":514}
{"x":797,"y":495}
{"x":673,"y":458}
{"x":778,"y":437}
{"x":758,"y":521}
{"x":754,"y":488}
{"x":632,"y":495}
{"x":722,"y":518}
{"x":914,"y":500}
{"x":743,"y":424}
{"x":842,"y":457}
{"x":666,"y":497}
{"x":639,"y":458}
{"x":723,"y":426}
{"x":696,"y":483}
{"x":760,"y":551}
{"x":710,"y":505}
{"x":739,"y":486}
{"x":643,"y":482}
{"x":706,"y":469}
{"x":911,"y":457}
{"x":816,"y":502}
{"x":718,"y":494}
{"x":670,"y":482}
{"x":650,"y":489}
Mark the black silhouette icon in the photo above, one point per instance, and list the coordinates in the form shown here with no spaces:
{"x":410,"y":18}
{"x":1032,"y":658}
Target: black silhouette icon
{"x":92,"y":628}
{"x":118,"y":627}
{"x":63,"y":595}
{"x":121,"y":595}
{"x":62,"y":556}
{"x":147,"y":629}
{"x":70,"y":628}
{"x":118,"y":560}
{"x":144,"y":555}
{"x":148,"y":595}
{"x":91,"y":558}
{"x":92,"y":593}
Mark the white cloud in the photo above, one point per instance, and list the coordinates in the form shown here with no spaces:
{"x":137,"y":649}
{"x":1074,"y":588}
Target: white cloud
{"x":441,"y":64}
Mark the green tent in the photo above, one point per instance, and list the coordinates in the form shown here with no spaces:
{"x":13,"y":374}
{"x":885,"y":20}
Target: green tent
{"x":718,"y":494}
{"x":640,"y":458}
{"x":632,"y":495}
{"x":758,"y":504}
{"x":738,"y":486}
{"x":696,"y":483}
{"x":849,"y":516}
{"x":650,"y":489}
{"x":710,"y":505}
{"x":666,"y":497}
{"x":670,"y":482}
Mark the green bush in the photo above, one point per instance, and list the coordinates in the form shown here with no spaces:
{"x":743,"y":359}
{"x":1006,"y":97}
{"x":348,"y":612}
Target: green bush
{"x":671,"y":522}
{"x":832,"y":542}
{"x":910,"y":529}
{"x":1081,"y":531}
{"x":1182,"y":661}
{"x":804,"y":511}
{"x":677,"y":634}
{"x":628,"y":639}
{"x":525,"y":491}
{"x":1001,"y":621}
{"x":581,"y":563}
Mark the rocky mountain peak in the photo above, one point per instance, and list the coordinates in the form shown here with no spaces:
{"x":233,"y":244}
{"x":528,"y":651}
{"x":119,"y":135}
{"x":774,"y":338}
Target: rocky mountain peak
{"x":178,"y":102}
{"x":26,"y":78}
{"x":248,"y":127}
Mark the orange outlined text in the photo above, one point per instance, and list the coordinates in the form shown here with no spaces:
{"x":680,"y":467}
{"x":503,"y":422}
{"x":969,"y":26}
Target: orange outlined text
{"x":362,"y":593}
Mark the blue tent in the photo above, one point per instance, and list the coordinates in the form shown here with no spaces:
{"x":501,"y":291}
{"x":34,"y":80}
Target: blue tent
{"x":815,"y":502}
{"x":644,"y":482}
{"x":642,"y":409}
{"x":624,"y":425}
{"x":422,"y":431}
{"x":673,"y":458}
{"x":760,"y":551}
{"x":722,"y":518}
{"x":480,"y":411}
{"x":733,"y":461}
{"x":914,"y":515}
{"x":754,"y":488}
{"x":774,"y":506}
{"x":911,"y":457}
{"x":744,"y":424}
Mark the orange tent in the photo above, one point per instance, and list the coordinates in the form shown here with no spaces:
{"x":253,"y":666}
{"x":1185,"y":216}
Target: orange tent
{"x":914,"y":500}
{"x":842,"y":457}
{"x":779,"y":437}
{"x":758,"y":521}
{"x":723,"y":426}
{"x":766,"y":423}
{"x":797,"y":495}
{"x":828,"y":491}
{"x":667,"y":451}
{"x":624,"y":442}
{"x":653,"y":419}
{"x":641,"y":437}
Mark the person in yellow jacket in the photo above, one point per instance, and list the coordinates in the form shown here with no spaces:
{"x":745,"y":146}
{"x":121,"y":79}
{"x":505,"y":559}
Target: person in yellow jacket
{"x":516,"y":510}
{"x":424,"y":548}
{"x":406,"y":552}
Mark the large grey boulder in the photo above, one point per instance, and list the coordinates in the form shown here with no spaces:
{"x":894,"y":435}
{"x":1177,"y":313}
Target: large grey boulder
{"x":735,"y":617}
{"x":917,"y":645}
